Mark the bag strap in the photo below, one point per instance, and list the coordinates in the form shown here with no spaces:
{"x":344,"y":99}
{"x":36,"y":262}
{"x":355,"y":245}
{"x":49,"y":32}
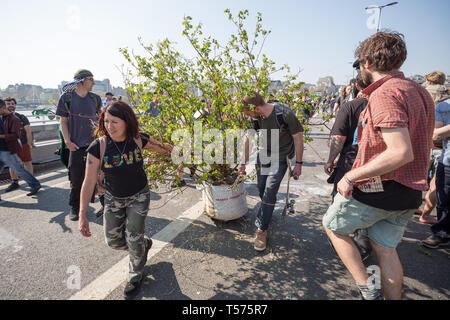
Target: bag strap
{"x":280,"y":119}
{"x":102,"y":141}
{"x":67,"y":101}
{"x":97,"y":101}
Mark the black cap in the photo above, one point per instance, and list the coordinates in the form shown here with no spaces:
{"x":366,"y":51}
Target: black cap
{"x":108,"y":94}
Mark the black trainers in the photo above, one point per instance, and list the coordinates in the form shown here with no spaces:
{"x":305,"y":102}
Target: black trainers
{"x":132,"y":289}
{"x":180,"y":184}
{"x":434,"y":242}
{"x":13,"y":186}
{"x":33,"y":191}
{"x":73,"y":215}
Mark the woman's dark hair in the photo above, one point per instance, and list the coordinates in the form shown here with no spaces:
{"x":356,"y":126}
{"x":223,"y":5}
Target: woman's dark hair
{"x":123,"y":111}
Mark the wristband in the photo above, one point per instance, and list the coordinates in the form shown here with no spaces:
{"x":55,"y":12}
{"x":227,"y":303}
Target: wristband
{"x":299,"y":162}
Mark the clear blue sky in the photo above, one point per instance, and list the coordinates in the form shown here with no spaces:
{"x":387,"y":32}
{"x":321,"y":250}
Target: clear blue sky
{"x":46,"y":41}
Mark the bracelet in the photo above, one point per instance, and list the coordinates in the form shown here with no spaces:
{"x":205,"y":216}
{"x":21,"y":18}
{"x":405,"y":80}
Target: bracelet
{"x":299,"y":162}
{"x":349,"y":181}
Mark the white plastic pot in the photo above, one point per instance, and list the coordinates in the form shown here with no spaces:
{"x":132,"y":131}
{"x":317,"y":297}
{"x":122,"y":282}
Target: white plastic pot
{"x":223,"y":203}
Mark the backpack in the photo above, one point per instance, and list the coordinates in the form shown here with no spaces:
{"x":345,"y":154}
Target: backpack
{"x":62,"y":150}
{"x":101,"y":175}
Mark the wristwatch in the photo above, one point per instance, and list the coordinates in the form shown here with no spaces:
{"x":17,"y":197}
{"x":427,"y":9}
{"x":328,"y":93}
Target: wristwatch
{"x":299,"y":162}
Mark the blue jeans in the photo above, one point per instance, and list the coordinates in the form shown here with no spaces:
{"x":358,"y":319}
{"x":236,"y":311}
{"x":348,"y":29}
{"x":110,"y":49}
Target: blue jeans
{"x":268,"y":186}
{"x":13,"y":161}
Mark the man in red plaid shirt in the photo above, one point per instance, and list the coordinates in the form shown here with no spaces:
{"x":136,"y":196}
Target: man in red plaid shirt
{"x":384,"y":187}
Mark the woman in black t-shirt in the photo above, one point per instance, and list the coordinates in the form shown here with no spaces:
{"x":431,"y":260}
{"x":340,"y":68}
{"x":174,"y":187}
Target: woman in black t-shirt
{"x":127,"y":195}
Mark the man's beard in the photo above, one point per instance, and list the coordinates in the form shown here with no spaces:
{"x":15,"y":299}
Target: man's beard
{"x":367,"y":78}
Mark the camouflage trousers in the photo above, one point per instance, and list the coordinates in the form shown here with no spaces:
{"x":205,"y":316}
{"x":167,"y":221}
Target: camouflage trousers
{"x":124,"y":222}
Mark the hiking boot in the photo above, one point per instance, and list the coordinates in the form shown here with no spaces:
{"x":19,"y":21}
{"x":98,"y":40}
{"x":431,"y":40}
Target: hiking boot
{"x":434,"y":242}
{"x":33,"y":191}
{"x":176,"y":184}
{"x":13,"y":186}
{"x":73,"y":215}
{"x":260,"y":240}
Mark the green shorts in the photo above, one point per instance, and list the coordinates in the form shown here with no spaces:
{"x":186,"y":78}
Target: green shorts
{"x":385,"y":228}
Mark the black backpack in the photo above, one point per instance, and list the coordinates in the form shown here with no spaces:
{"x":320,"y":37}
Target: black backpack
{"x":282,"y":125}
{"x":63,"y":151}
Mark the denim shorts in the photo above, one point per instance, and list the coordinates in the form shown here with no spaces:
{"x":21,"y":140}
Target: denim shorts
{"x":385,"y":228}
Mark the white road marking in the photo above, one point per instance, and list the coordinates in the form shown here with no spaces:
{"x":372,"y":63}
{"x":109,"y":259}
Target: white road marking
{"x":8,"y":240}
{"x":106,"y":283}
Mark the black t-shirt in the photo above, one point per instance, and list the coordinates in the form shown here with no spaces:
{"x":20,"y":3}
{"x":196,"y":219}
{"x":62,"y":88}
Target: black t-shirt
{"x":25,"y":122}
{"x":124,"y":176}
{"x":394,"y":197}
{"x":346,"y":125}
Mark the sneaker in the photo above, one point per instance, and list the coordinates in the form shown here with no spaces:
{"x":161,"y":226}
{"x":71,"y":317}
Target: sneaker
{"x":13,"y":186}
{"x":33,"y":191}
{"x":73,"y":215}
{"x":434,"y":242}
{"x":180,"y":184}
{"x":132,"y":289}
{"x":260,"y":240}
{"x":370,"y":293}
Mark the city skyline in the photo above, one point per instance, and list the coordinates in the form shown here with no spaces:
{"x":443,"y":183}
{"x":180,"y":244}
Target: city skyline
{"x":318,"y":38}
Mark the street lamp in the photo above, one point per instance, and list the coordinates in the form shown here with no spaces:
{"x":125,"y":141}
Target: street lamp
{"x":381,"y":7}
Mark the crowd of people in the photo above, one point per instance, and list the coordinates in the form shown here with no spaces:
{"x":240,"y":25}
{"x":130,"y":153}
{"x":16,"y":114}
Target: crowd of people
{"x":388,"y":145}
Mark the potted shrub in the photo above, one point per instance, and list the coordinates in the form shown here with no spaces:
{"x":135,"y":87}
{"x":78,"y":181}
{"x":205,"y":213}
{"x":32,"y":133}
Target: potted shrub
{"x":199,"y":104}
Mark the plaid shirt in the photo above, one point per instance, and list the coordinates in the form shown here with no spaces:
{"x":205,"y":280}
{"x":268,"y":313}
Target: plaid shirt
{"x":396,"y":102}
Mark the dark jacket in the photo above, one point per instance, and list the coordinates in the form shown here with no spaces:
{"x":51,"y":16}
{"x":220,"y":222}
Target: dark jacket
{"x":12,"y":126}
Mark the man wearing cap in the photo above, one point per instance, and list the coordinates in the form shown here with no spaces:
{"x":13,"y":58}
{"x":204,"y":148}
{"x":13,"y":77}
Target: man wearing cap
{"x":78,"y":109}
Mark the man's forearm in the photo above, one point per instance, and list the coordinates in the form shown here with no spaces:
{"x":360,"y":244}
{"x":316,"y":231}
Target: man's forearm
{"x":443,"y":132}
{"x":298,"y":143}
{"x":336,"y":146}
{"x":65,"y":129}
{"x":385,"y":162}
